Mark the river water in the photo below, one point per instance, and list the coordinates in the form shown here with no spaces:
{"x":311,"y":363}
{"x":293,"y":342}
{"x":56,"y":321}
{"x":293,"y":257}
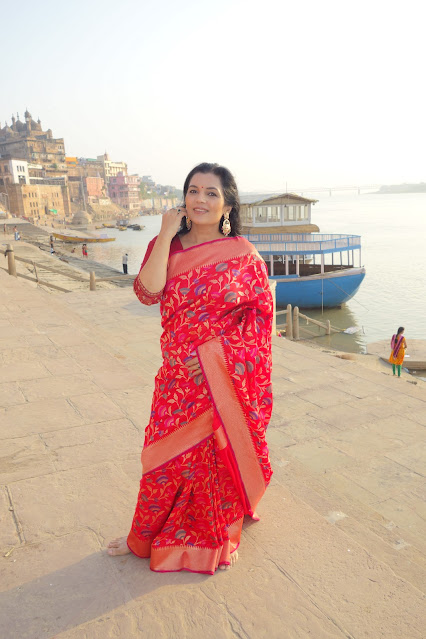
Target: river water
{"x":393,"y":230}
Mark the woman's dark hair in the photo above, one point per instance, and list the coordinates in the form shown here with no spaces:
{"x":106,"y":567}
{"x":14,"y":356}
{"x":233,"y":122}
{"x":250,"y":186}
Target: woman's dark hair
{"x":230,"y":194}
{"x":400,"y":329}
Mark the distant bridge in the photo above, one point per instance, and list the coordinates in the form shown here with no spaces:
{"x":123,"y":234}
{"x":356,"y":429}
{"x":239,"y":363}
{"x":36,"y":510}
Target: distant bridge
{"x":335,"y":189}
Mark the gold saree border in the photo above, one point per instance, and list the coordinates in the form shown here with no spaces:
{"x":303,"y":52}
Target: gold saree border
{"x":213,"y":360}
{"x":191,"y":558}
{"x":208,"y":253}
{"x":180,"y":440}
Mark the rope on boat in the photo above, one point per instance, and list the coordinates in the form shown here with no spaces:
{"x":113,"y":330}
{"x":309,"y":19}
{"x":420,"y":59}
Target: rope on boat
{"x":346,"y":293}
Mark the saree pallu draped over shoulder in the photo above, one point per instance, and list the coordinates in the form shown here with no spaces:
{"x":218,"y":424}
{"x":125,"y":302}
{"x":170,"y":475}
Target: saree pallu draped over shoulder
{"x":205,"y":458}
{"x":398,"y":346}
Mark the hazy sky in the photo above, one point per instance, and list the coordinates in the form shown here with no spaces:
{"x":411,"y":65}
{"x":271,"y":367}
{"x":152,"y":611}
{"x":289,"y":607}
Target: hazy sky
{"x":308,"y":93}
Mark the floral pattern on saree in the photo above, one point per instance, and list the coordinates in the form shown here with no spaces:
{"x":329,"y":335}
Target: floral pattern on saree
{"x":217,"y":304}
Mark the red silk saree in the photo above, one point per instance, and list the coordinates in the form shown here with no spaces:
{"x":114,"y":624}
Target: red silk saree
{"x":205,"y":459}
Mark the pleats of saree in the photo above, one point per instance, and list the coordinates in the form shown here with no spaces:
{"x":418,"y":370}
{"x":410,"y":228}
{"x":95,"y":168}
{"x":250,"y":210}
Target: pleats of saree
{"x":188,"y":515}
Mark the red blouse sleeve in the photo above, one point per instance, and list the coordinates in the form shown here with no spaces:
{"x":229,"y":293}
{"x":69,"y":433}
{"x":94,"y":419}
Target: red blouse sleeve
{"x":145,"y":296}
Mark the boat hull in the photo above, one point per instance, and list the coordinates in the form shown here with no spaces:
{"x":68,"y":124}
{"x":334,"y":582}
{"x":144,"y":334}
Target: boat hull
{"x":82,"y":240}
{"x":317,"y":291}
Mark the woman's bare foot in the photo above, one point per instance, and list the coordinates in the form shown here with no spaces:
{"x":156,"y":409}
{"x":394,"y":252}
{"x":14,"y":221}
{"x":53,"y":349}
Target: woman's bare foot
{"x":118,"y":546}
{"x":233,"y":559}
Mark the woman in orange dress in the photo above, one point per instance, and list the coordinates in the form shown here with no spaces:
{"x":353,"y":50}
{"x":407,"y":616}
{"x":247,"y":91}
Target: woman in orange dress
{"x":398,"y":345}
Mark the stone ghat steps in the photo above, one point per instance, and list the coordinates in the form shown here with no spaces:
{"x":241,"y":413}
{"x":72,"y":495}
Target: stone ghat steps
{"x":67,"y":264}
{"x":101,"y":270}
{"x":33,"y":234}
{"x":320,"y":563}
{"x":361,"y":524}
{"x":344,"y":505}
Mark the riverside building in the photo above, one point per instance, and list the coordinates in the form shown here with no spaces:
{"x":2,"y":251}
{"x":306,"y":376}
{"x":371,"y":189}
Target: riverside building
{"x":33,"y":172}
{"x":124,"y":190}
{"x":28,"y":141}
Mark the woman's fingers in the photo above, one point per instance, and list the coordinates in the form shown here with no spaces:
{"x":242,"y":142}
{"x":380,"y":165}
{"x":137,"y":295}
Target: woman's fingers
{"x":171,"y":219}
{"x":193,"y":366}
{"x":190,"y":363}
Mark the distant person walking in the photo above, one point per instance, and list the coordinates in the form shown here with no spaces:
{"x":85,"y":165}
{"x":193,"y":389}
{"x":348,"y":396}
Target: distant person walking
{"x":398,"y":345}
{"x":15,"y":230}
{"x":125,"y":261}
{"x":84,"y":250}
{"x":52,"y":246}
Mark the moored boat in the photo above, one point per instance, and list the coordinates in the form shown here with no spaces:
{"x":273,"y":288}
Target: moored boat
{"x":311,"y":269}
{"x":85,"y":240}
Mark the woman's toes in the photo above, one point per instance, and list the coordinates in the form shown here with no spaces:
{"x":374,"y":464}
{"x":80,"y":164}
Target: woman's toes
{"x":118,"y":546}
{"x":233,"y":560}
{"x":234,"y":557}
{"x":114,"y":543}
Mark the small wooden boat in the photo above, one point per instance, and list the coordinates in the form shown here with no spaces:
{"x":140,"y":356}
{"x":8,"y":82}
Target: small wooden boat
{"x":136,"y":227}
{"x":122,"y":228}
{"x":108,"y":226}
{"x":82,"y":240}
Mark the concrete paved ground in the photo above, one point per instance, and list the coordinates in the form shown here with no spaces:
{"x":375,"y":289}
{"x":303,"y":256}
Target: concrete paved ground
{"x":340,"y":548}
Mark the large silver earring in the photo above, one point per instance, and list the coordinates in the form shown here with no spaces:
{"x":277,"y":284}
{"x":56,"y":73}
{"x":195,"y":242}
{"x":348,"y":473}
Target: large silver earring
{"x":226,"y":224}
{"x":188,"y":223}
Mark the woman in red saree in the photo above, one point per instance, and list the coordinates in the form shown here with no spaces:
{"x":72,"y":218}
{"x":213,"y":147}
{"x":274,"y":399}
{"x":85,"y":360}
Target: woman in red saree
{"x":205,"y":459}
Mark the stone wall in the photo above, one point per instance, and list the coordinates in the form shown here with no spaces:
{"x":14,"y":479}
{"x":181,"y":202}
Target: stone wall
{"x":33,"y":201}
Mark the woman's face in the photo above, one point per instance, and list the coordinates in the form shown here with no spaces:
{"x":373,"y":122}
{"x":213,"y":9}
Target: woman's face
{"x":204,"y":200}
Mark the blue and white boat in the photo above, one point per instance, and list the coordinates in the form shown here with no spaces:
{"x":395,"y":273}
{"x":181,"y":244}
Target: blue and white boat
{"x":312,"y":270}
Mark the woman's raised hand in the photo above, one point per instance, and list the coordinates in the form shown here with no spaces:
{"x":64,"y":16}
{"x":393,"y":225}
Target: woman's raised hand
{"x":171,"y":221}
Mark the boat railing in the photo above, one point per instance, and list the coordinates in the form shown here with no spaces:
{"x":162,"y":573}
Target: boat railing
{"x":282,"y":243}
{"x":295,"y":237}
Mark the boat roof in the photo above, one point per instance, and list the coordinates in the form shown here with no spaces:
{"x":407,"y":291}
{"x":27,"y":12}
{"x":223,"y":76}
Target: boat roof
{"x":259,"y":198}
{"x":303,"y":243}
